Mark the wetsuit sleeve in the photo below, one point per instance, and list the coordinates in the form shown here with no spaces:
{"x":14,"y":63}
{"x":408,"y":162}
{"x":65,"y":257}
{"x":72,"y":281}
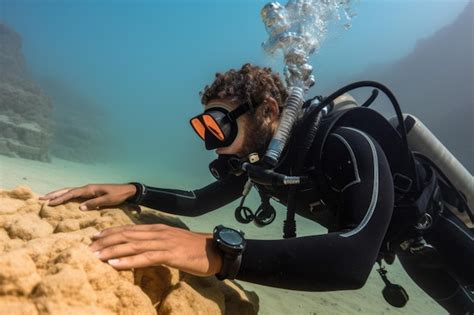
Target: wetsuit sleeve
{"x":359,"y":175}
{"x":192,"y":203}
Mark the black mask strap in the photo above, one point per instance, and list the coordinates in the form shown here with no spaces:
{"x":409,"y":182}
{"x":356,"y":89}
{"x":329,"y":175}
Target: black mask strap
{"x":239,"y":111}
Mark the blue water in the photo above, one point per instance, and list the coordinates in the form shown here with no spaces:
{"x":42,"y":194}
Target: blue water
{"x":144,"y":62}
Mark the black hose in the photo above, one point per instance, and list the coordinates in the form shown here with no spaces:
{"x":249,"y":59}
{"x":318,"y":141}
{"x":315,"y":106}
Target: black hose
{"x":371,"y":99}
{"x":395,"y":105}
{"x":289,"y":225}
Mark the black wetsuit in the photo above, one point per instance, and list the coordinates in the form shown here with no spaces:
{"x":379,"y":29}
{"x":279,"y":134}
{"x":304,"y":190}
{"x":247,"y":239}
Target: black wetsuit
{"x":360,"y":180}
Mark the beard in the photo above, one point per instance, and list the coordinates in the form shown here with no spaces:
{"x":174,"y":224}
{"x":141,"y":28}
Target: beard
{"x":258,"y":136}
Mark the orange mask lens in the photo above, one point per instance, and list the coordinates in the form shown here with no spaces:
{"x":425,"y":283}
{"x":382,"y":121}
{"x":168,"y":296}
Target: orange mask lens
{"x":213,"y":127}
{"x":198,"y":127}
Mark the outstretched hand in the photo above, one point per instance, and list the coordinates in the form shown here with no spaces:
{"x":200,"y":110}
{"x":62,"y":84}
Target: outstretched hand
{"x":138,"y":246}
{"x":97,"y":195}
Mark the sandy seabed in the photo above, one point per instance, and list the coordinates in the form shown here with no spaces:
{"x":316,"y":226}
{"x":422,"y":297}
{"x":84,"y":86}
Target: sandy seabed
{"x":47,"y":268}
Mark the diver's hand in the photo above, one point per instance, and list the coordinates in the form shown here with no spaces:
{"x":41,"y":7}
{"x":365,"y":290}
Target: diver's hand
{"x":98,"y":195}
{"x":138,"y":246}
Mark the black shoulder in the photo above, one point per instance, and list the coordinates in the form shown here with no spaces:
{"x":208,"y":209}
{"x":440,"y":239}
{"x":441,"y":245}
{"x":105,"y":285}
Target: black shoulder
{"x":347,"y":154}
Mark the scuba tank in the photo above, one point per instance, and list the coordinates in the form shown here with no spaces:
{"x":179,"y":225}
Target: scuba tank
{"x":344,"y":101}
{"x":423,"y":141}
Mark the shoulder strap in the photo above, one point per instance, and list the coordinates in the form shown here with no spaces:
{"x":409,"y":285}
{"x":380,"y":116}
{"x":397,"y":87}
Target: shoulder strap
{"x":375,"y":125}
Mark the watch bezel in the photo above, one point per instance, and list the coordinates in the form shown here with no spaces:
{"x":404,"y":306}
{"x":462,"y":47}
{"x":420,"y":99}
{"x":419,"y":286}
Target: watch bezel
{"x":225,"y":246}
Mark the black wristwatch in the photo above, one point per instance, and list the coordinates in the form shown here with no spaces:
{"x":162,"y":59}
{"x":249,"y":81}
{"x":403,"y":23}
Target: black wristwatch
{"x":231,"y":244}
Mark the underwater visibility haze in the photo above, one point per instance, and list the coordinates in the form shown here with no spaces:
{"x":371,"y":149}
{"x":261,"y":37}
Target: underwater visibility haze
{"x":117,"y":82}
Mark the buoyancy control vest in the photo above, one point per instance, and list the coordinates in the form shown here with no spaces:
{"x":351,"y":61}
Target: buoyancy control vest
{"x":420,"y":191}
{"x":417,"y":183}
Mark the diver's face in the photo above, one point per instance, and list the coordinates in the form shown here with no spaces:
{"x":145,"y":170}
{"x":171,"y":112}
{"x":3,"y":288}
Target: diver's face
{"x":237,"y":145}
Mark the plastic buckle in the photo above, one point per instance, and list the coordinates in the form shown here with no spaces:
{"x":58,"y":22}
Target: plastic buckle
{"x":402,"y":183}
{"x":424,"y":222}
{"x":254,"y":158}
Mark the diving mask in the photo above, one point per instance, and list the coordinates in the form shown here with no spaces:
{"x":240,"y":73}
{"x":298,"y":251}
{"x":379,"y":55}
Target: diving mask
{"x":217,"y":126}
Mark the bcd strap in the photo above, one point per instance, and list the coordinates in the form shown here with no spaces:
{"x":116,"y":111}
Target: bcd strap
{"x":408,"y":214}
{"x":422,"y":204}
{"x":450,"y":197}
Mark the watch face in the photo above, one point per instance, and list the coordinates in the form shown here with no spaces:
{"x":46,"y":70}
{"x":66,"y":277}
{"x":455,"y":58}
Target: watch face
{"x":231,"y":237}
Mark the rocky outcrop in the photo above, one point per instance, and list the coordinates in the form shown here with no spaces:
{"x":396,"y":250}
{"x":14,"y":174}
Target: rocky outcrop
{"x":25,"y":112}
{"x":46,"y":267}
{"x":80,"y":128}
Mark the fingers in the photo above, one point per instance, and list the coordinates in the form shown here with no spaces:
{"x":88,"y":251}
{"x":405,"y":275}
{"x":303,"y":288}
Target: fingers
{"x":55,"y":193}
{"x":95,"y":203}
{"x":149,"y":245}
{"x":132,"y":246}
{"x":83,"y":192}
{"x":139,"y":261}
{"x":122,"y":237}
{"x":74,"y":193}
{"x":130,"y":249}
{"x":130,"y":227}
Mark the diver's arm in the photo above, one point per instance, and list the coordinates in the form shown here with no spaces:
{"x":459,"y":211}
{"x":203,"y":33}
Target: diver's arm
{"x":339,"y":260}
{"x":190,"y":203}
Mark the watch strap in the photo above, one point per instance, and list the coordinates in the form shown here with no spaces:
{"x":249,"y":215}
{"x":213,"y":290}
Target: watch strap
{"x":230,"y":266}
{"x":231,"y":255}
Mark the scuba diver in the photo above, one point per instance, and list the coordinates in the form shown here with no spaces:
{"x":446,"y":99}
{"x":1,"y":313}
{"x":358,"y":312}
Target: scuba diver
{"x":345,"y":168}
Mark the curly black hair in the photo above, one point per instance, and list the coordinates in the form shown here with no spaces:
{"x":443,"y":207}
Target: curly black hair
{"x":251,"y":84}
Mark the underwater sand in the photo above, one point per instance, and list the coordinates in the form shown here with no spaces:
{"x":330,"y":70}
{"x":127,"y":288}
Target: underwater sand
{"x":45,"y":177}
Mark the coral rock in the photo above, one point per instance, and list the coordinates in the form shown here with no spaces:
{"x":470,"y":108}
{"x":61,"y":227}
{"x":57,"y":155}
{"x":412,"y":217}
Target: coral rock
{"x":47,"y":267}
